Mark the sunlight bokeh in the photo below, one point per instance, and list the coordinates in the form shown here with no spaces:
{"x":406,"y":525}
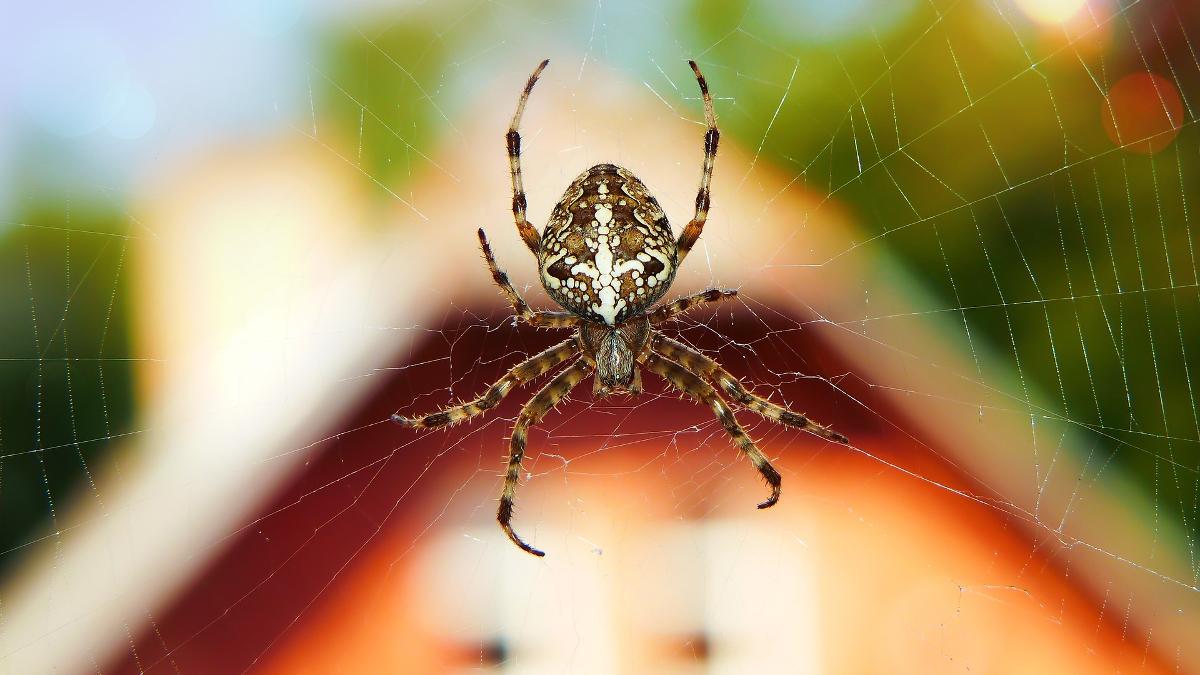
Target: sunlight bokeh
{"x":1051,"y":11}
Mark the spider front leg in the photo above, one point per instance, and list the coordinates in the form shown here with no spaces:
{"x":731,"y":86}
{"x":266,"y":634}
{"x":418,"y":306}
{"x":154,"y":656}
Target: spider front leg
{"x":670,"y":311}
{"x":513,"y":142}
{"x":521,"y":373}
{"x":689,"y":383}
{"x":691,"y":232}
{"x":531,"y":414}
{"x":711,"y":370}
{"x":520,"y":307}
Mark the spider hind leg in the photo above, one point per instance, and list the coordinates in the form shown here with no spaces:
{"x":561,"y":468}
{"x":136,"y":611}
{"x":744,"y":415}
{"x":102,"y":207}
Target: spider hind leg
{"x":712,"y":371}
{"x":691,"y":384}
{"x":541,"y":403}
{"x":521,"y":373}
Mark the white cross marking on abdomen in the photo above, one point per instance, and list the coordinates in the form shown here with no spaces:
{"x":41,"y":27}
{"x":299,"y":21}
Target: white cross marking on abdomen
{"x":604,"y":275}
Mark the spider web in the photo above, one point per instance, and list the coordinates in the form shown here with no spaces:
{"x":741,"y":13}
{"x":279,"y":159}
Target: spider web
{"x":945,"y":247}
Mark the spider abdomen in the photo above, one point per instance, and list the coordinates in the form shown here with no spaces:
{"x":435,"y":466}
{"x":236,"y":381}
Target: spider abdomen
{"x":607,"y":252}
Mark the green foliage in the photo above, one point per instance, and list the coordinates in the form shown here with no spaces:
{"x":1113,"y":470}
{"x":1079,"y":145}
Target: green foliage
{"x":382,"y":94}
{"x":65,"y":369}
{"x":981,"y":163}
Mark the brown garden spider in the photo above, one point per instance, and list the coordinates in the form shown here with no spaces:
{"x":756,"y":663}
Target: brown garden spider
{"x":606,"y":256}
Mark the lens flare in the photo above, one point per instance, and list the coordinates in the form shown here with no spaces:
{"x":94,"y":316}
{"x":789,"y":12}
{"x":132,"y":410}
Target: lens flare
{"x":1051,"y":11}
{"x":1142,"y":112}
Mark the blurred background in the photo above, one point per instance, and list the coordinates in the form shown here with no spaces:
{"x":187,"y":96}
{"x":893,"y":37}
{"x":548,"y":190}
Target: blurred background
{"x":236,"y":236}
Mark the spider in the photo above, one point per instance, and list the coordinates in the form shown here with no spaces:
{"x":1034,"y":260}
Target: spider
{"x":607,"y":256}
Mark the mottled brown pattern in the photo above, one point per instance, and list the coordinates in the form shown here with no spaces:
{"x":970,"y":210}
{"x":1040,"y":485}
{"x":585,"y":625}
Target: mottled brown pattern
{"x":607,"y":202}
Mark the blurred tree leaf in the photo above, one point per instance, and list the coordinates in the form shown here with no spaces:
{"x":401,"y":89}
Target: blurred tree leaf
{"x":65,"y":369}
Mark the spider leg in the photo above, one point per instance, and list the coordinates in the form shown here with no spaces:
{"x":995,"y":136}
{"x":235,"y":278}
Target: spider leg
{"x":691,"y":232}
{"x":536,"y":318}
{"x":520,"y":374}
{"x":670,"y":311}
{"x":711,"y":370}
{"x":537,"y":407}
{"x":689,"y":383}
{"x":513,"y":141}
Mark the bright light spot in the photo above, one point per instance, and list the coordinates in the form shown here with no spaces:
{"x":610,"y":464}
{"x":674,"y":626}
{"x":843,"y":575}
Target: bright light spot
{"x":1142,"y":113}
{"x":75,"y":82}
{"x":72,"y":82}
{"x":136,"y":115}
{"x":1051,"y":11}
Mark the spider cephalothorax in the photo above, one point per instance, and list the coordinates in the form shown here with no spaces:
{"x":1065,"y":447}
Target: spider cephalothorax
{"x":614,"y":351}
{"x":607,"y":255}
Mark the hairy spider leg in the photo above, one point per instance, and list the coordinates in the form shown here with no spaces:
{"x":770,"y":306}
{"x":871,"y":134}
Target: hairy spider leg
{"x":513,"y":141}
{"x":689,"y":383}
{"x":712,"y":371}
{"x":542,"y":402}
{"x":691,"y":232}
{"x":540,"y":319}
{"x":671,"y":310}
{"x":520,"y":374}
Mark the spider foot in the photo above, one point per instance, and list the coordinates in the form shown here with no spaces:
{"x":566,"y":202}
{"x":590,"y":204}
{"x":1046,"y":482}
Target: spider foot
{"x":771,"y":501}
{"x":776,"y":483}
{"x":403,"y":421}
{"x":521,"y":542}
{"x":505,"y":516}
